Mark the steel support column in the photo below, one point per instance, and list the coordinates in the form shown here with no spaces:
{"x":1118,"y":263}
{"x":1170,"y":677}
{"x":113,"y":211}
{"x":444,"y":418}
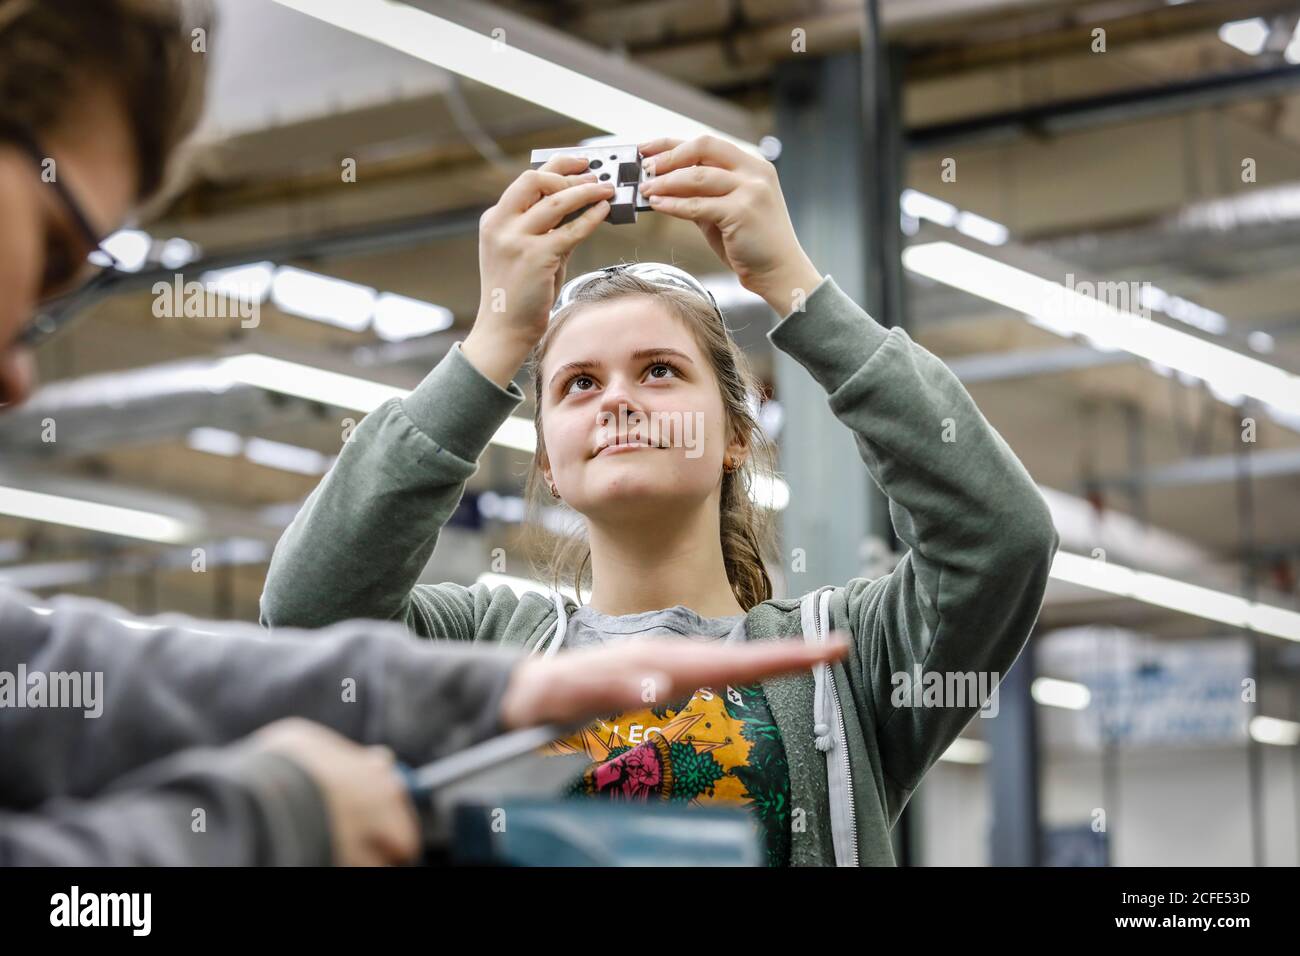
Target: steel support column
{"x":1013,"y":768}
{"x":840,"y":166}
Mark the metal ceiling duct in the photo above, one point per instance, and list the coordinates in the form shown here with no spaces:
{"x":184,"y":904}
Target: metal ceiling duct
{"x":135,"y":407}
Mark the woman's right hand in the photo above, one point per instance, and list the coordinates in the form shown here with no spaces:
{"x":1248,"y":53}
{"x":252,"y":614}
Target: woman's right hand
{"x":523,"y":254}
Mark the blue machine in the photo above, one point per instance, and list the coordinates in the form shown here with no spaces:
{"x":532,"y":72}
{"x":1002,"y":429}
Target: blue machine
{"x":503,"y":803}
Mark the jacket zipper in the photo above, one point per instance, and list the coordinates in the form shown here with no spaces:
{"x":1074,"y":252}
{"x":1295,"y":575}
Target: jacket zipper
{"x":841,"y":743}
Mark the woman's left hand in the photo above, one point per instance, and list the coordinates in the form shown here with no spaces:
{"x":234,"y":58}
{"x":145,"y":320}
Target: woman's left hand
{"x":735,"y":198}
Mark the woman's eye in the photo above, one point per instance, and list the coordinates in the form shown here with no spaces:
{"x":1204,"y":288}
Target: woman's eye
{"x":573,"y":381}
{"x":568,"y":388}
{"x":668,"y":365}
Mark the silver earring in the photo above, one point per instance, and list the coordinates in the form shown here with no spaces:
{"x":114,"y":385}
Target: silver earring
{"x":554,"y":493}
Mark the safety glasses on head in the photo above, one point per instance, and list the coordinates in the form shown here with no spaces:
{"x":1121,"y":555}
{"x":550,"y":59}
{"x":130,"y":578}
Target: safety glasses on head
{"x":658,"y":273}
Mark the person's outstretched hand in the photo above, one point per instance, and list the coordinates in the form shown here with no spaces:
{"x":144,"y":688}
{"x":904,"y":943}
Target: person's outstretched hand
{"x":735,"y":198}
{"x":575,"y":685}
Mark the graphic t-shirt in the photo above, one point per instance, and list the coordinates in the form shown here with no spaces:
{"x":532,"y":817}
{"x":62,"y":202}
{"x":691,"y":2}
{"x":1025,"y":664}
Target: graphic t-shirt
{"x":720,"y":745}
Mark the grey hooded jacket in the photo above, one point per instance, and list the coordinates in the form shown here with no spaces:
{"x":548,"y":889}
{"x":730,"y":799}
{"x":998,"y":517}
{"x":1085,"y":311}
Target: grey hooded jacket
{"x":114,"y":732}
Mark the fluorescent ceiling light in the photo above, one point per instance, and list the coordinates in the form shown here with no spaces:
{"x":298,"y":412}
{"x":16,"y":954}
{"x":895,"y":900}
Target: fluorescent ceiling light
{"x":1069,"y":694}
{"x":1271,"y":730}
{"x":1166,"y":592}
{"x":1248,"y":36}
{"x":919,"y":205}
{"x":1197,"y":316}
{"x":92,"y":516}
{"x":497,"y":64}
{"x":915,"y":205}
{"x":1068,"y":312}
{"x":1261,"y":342}
{"x":176,"y":253}
{"x":517,"y":433}
{"x":249,"y":283}
{"x":346,"y":391}
{"x":985,"y":230}
{"x":966,"y":750}
{"x":323,"y":298}
{"x":326,"y":299}
{"x":260,"y":451}
{"x":285,"y":457}
{"x":130,"y":247}
{"x":769,"y":492}
{"x":304,"y":381}
{"x":215,"y":441}
{"x":398,"y":317}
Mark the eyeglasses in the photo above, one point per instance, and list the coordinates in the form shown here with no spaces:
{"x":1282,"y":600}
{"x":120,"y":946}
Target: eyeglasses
{"x":658,"y":273}
{"x":57,"y":310}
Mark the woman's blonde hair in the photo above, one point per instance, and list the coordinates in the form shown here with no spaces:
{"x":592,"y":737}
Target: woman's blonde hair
{"x":746,"y":528}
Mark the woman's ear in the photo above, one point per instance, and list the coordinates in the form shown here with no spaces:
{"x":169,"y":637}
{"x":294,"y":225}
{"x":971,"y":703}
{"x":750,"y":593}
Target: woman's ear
{"x":736,"y":452}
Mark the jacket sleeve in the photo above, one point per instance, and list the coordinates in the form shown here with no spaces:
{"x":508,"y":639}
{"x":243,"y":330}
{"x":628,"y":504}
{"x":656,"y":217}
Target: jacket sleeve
{"x":980,"y":538}
{"x":203,"y":807}
{"x":131,"y":693}
{"x":361,"y":540}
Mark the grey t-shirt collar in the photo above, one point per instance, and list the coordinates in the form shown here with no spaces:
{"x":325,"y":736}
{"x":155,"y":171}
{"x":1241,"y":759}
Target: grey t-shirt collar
{"x":589,"y":626}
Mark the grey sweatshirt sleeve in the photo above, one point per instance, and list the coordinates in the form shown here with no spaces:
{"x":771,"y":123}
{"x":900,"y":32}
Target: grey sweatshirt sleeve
{"x":980,"y":538}
{"x":145,"y":694}
{"x":357,"y":546}
{"x":203,"y":807}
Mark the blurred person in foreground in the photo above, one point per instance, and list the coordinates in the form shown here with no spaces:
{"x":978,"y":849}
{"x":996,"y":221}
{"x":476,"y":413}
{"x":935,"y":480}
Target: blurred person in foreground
{"x":255,"y":732}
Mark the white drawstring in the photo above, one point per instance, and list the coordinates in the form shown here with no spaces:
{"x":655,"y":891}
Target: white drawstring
{"x":822,"y":737}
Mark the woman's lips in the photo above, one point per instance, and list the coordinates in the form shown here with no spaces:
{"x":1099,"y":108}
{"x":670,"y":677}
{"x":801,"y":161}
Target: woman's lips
{"x":625,"y":446}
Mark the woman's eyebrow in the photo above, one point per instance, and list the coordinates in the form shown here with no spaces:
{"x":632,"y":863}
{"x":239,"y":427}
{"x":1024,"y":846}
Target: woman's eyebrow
{"x":586,"y":364}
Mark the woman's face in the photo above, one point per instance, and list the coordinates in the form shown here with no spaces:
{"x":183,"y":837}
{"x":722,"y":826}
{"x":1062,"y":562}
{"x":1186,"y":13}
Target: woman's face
{"x":41,"y":250}
{"x":622,"y":372}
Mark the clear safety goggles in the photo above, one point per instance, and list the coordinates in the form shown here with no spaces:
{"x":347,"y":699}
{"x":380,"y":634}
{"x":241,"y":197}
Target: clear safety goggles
{"x":658,"y":273}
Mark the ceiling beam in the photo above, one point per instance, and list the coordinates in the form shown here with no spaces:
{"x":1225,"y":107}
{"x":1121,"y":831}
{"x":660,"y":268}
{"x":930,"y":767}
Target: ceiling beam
{"x":1069,"y":33}
{"x":1119,"y":106}
{"x":1213,"y":469}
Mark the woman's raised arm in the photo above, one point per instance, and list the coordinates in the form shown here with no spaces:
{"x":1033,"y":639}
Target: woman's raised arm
{"x":980,"y":539}
{"x":359,"y":543}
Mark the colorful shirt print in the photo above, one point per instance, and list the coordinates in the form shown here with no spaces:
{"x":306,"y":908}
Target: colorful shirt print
{"x":712,"y":748}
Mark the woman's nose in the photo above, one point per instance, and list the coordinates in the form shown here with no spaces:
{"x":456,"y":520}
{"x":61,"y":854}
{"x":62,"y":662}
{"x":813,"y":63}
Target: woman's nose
{"x":620,"y":405}
{"x":619,"y":393}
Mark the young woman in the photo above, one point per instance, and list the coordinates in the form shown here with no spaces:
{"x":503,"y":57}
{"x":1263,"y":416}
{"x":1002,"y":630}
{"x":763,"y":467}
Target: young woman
{"x":672,"y":540}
